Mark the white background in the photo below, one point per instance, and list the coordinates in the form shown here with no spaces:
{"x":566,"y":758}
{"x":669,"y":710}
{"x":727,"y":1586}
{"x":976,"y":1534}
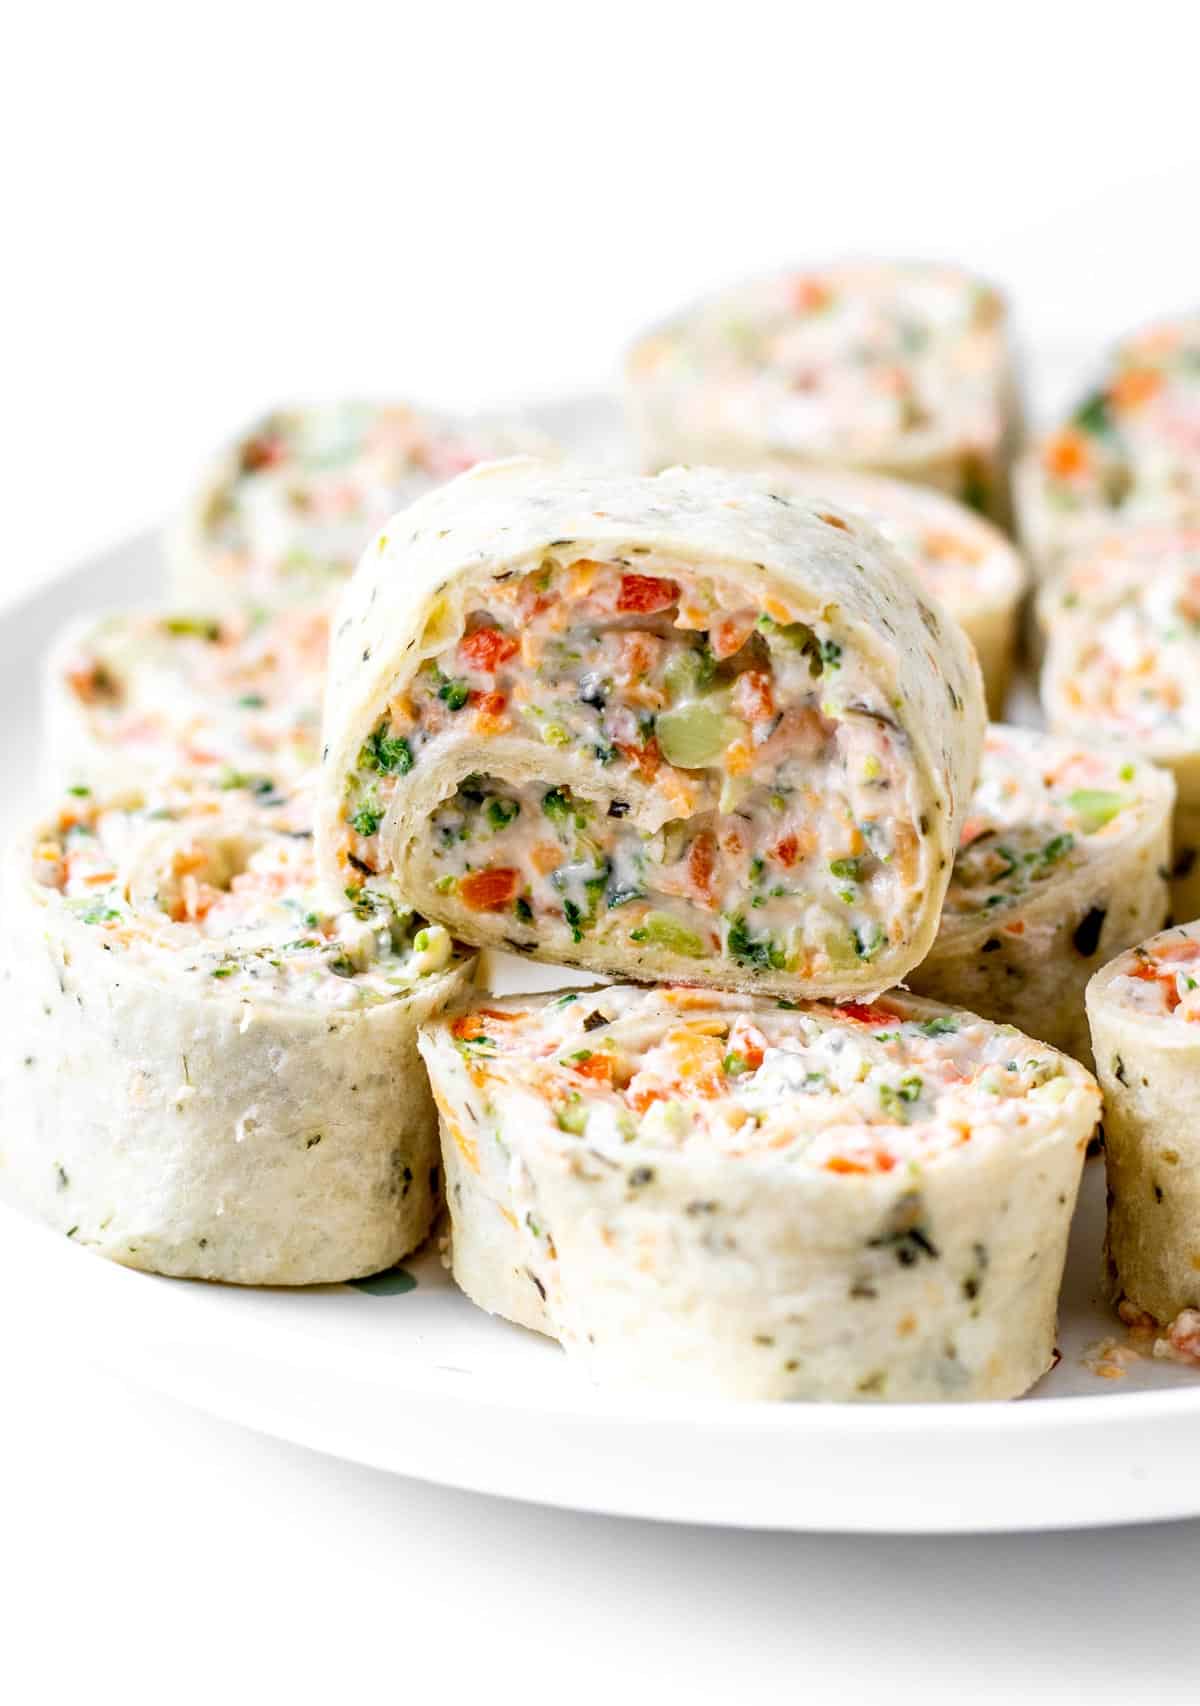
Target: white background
{"x":210,"y":207}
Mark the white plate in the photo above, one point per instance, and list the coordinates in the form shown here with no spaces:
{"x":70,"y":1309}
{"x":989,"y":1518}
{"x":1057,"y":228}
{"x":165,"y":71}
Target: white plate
{"x":420,"y":1382}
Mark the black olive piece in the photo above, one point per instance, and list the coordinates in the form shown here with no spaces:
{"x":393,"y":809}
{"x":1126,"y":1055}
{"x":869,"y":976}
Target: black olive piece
{"x":1087,"y":931}
{"x":591,"y":691}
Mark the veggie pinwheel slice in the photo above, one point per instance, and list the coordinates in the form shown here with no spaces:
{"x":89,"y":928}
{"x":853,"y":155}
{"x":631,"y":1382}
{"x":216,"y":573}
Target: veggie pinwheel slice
{"x":1143,"y":1010}
{"x":233,"y":700}
{"x":1122,"y":665}
{"x":208,"y":1072}
{"x":1128,"y":454}
{"x":742,"y":1198}
{"x":666,"y":727}
{"x":890,"y":367}
{"x":285,"y":511}
{"x":1062,"y":863}
{"x":959,"y":558}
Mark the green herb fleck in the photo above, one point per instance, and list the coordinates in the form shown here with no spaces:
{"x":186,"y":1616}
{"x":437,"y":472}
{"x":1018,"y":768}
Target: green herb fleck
{"x":387,"y":754}
{"x":850,"y":870}
{"x":98,"y":912}
{"x":367,"y":818}
{"x":868,"y":940}
{"x":1093,"y":415}
{"x":575,"y":920}
{"x":454,"y":694}
{"x":748,"y":950}
{"x":500,"y":813}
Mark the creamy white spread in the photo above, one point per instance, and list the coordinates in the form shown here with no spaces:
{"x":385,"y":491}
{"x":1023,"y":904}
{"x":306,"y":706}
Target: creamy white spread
{"x":1039,"y":811}
{"x":230,"y":699}
{"x":1124,"y":653}
{"x":1161,"y":977}
{"x":1130,"y":450}
{"x":787,"y":836}
{"x":851,"y":1088}
{"x":844,"y":363}
{"x":220,"y":890}
{"x":307,"y":487}
{"x":959,"y":558}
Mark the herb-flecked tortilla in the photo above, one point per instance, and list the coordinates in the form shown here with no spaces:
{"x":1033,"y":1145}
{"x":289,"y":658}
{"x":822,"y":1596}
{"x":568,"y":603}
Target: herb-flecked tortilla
{"x":736,"y":1197}
{"x":207,"y":1071}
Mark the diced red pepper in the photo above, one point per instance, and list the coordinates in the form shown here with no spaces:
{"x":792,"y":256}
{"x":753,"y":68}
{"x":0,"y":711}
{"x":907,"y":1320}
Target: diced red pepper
{"x":866,"y":1015}
{"x":786,"y":851}
{"x":487,"y":648}
{"x":646,"y":594}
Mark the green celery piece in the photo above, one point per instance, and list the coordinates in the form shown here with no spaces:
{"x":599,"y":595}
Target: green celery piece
{"x":695,"y":734}
{"x":660,"y":930}
{"x":688,"y":674}
{"x":1096,"y":807}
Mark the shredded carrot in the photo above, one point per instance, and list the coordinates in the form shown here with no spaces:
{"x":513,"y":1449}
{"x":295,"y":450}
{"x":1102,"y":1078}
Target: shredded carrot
{"x":1136,"y":385}
{"x":810,"y":295}
{"x":752,"y":697}
{"x":600,"y":1067}
{"x":731,"y":634}
{"x":545,"y":856}
{"x":645,"y":760}
{"x":739,"y":757}
{"x":1065,"y":454}
{"x":489,"y":890}
{"x":463,"y":1142}
{"x":489,"y":713}
{"x":702,"y":858}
